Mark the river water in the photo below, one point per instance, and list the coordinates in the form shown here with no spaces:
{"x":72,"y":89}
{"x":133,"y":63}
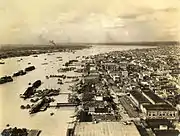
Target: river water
{"x":10,"y":102}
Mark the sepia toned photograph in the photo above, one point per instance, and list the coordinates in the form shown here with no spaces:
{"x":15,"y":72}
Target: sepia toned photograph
{"x":89,"y":68}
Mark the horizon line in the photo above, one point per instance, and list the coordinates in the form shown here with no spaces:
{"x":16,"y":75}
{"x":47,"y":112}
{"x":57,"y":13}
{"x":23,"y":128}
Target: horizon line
{"x":100,"y":43}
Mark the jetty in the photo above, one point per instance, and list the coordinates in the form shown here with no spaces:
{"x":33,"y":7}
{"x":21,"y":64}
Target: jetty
{"x":58,"y":105}
{"x":64,"y":93}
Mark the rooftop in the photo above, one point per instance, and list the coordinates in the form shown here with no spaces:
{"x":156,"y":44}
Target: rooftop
{"x":153,"y":96}
{"x":139,"y":97}
{"x":155,"y":123}
{"x":164,"y":107}
{"x":105,"y":129}
{"x":166,"y":132}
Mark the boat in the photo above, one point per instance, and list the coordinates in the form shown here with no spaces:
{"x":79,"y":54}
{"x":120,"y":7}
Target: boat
{"x":80,"y":70}
{"x":59,"y":76}
{"x":73,"y":80}
{"x":59,"y":57}
{"x":44,"y":63}
{"x":28,"y":93}
{"x":36,"y":84}
{"x":30,"y":68}
{"x":65,"y":69}
{"x":37,"y":107}
{"x":2,"y":62}
{"x":5,"y":79}
{"x":59,"y":81}
{"x":19,"y":73}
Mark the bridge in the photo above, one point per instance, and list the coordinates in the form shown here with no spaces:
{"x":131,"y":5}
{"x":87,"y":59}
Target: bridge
{"x":58,"y":105}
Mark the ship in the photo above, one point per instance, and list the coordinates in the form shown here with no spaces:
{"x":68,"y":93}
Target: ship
{"x":5,"y":79}
{"x":28,"y":93}
{"x":30,"y":68}
{"x":31,"y":90}
{"x":36,"y":84}
{"x":37,"y":107}
{"x":19,"y":73}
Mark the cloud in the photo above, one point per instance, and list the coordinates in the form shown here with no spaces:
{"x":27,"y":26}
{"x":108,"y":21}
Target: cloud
{"x":88,"y":21}
{"x":147,"y":13}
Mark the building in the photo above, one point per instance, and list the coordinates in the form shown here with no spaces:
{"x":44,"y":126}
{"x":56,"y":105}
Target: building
{"x":166,"y":132}
{"x":153,"y":106}
{"x":160,"y":111}
{"x":152,"y":97}
{"x":124,"y":73}
{"x":93,"y":77}
{"x":159,"y":124}
{"x":110,"y":66}
{"x":97,"y":107}
{"x":161,"y":127}
{"x":138,"y":99}
{"x":105,"y":129}
{"x":115,"y":76}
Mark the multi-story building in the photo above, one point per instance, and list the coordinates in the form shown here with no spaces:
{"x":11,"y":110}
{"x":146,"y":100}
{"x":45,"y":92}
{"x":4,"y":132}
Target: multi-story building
{"x":153,"y":106}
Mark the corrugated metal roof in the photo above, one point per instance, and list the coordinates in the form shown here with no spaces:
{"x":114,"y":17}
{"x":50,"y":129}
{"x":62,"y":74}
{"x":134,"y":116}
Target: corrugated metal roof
{"x":105,"y":129}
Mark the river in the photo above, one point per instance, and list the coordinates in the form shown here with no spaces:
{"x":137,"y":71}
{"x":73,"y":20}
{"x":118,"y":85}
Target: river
{"x":10,"y":112}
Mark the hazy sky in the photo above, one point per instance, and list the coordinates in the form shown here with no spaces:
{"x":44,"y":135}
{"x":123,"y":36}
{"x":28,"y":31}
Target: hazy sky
{"x":38,"y":21}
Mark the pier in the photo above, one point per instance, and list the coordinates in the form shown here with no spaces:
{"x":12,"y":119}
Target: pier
{"x":64,"y":93}
{"x":58,"y":105}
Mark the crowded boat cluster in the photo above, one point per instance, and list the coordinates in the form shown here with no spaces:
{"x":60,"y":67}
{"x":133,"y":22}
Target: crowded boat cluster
{"x":6,"y":79}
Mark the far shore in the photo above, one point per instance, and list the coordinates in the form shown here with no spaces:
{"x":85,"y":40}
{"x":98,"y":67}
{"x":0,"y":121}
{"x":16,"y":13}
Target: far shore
{"x":17,"y":50}
{"x":26,"y":50}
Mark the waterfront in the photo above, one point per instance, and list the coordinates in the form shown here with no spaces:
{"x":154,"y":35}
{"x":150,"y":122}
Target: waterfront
{"x":9,"y":94}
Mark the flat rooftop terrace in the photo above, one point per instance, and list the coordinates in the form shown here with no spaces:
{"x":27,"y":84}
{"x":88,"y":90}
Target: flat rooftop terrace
{"x":105,"y":129}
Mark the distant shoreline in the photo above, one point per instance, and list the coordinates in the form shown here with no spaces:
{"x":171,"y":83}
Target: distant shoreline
{"x":80,"y":44}
{"x":18,"y":51}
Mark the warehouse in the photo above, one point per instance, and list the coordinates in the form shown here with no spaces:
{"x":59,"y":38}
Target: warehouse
{"x":161,"y":111}
{"x":152,"y":97}
{"x":138,"y":99}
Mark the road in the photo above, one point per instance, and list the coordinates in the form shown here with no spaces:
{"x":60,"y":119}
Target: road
{"x":126,"y":103}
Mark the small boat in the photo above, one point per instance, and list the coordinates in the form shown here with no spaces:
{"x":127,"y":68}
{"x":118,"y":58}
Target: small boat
{"x":59,"y":57}
{"x":5,"y":79}
{"x":19,"y":73}
{"x":44,"y":63}
{"x":59,"y":81}
{"x":37,"y":83}
{"x":75,"y":80}
{"x":51,"y":113}
{"x":30,"y":68}
{"x":2,"y":62}
{"x":36,"y":108}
